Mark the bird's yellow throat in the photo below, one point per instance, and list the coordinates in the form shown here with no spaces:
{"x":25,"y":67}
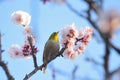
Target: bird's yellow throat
{"x":54,"y":36}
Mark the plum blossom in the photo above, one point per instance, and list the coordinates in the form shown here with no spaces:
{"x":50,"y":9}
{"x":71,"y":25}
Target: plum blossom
{"x":28,"y":33}
{"x":79,"y":48}
{"x":21,"y":18}
{"x":85,"y":35}
{"x":73,"y":56}
{"x":15,"y":51}
{"x":68,"y":33}
{"x":28,"y":48}
{"x":70,"y":53}
{"x":28,"y":30}
{"x":25,"y":51}
{"x":76,"y":41}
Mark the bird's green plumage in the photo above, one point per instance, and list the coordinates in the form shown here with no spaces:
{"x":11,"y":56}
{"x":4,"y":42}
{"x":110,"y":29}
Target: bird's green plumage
{"x":51,"y":48}
{"x":54,"y":37}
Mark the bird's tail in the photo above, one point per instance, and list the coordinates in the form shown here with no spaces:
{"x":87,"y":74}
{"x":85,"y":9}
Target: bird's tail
{"x":44,"y":68}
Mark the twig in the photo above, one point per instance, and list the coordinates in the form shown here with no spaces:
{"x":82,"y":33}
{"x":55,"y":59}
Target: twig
{"x":4,"y":65}
{"x":5,"y":68}
{"x":73,"y":72}
{"x":93,"y":61}
{"x":88,"y":18}
{"x":0,"y":47}
{"x":78,"y":40}
{"x":41,"y":66}
{"x":115,"y":71}
{"x":104,"y":37}
{"x":33,"y":55}
{"x":106,"y":59}
{"x":53,"y":74}
{"x":115,"y":48}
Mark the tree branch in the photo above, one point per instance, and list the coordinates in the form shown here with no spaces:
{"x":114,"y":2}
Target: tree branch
{"x":5,"y":68}
{"x":53,"y":74}
{"x":115,"y":48}
{"x":105,"y":37}
{"x":106,"y":58}
{"x":41,"y":66}
{"x":115,"y":71}
{"x":4,"y":65}
{"x":73,"y":72}
{"x":33,"y":55}
{"x":88,"y":18}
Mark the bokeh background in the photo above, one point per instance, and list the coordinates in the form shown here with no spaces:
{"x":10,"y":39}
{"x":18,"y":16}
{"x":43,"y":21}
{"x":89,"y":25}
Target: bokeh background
{"x":52,"y":16}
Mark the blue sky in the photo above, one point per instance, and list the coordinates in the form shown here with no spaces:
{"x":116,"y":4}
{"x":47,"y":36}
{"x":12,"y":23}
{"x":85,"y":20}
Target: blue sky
{"x":45,"y":20}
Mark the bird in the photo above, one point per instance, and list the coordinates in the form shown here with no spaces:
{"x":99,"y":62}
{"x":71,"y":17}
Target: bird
{"x":51,"y":49}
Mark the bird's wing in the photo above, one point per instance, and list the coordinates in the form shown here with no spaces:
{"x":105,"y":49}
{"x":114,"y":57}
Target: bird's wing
{"x":54,"y":49}
{"x":51,"y":48}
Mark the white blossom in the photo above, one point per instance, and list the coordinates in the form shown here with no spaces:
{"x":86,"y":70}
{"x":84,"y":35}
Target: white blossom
{"x":15,"y":51}
{"x":76,"y":41}
{"x":21,"y":18}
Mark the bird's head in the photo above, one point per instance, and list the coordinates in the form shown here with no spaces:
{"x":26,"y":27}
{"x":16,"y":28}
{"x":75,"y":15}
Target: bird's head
{"x":54,"y":36}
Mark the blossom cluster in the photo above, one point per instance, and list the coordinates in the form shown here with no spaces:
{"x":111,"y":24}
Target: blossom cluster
{"x":76,"y":40}
{"x":23,"y":18}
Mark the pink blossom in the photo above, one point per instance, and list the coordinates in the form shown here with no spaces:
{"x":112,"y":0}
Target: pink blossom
{"x":71,"y":43}
{"x":31,"y":38}
{"x":26,"y":49}
{"x":77,"y":41}
{"x":68,"y":52}
{"x":15,"y":51}
{"x":86,"y":35}
{"x":21,"y":18}
{"x":28,"y":30}
{"x":84,"y":32}
{"x":79,"y":48}
{"x":68,"y":33}
{"x":28,"y":33}
{"x":73,"y":56}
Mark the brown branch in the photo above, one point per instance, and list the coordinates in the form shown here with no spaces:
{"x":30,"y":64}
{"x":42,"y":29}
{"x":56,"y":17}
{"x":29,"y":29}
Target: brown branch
{"x":41,"y":66}
{"x":104,"y":37}
{"x":33,"y":55}
{"x":106,"y":58}
{"x":7,"y":72}
{"x":92,"y":60}
{"x":88,"y":18}
{"x":4,"y":65}
{"x":0,"y":47}
{"x":73,"y":72}
{"x":53,"y":74}
{"x":115,"y":71}
{"x":115,"y":48}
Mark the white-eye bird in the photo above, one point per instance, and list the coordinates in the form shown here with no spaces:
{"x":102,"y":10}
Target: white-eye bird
{"x":51,"y":49}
